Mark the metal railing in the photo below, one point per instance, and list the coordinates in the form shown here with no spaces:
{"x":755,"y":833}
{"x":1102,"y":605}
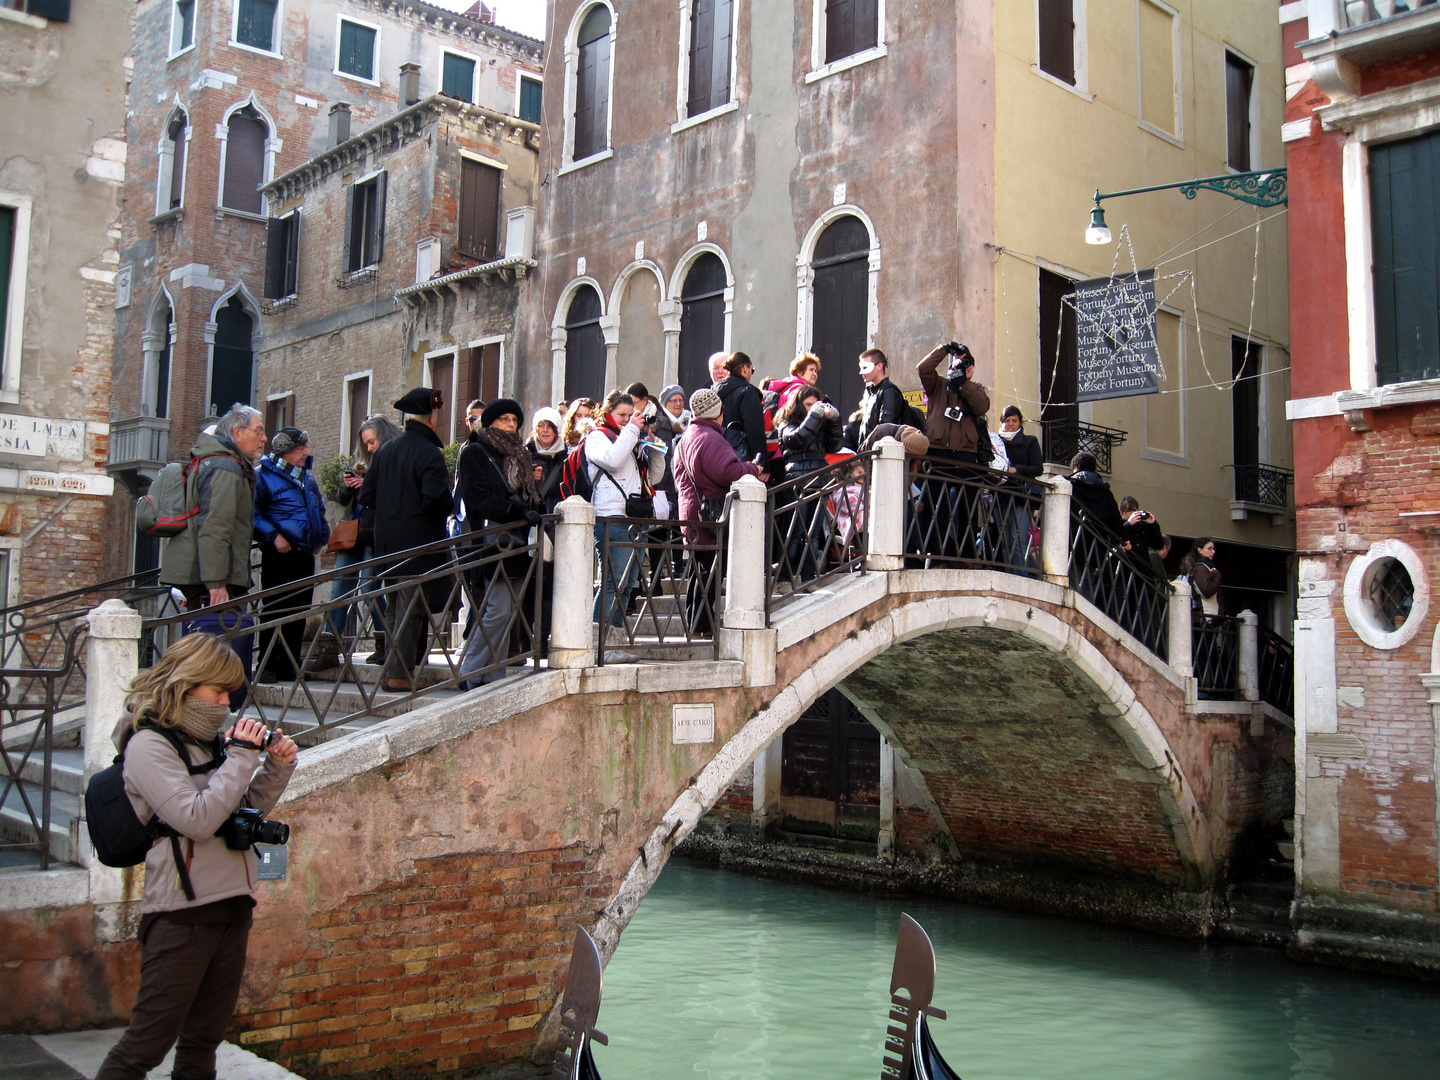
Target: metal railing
{"x":1119,"y":584}
{"x":1277,"y":671}
{"x":660,"y":587}
{"x":1263,"y":484}
{"x":815,"y":529}
{"x":1063,"y":439}
{"x":1215,"y":643}
{"x":1361,"y":12}
{"x":31,"y":697}
{"x":304,"y":674}
{"x":968,"y":515}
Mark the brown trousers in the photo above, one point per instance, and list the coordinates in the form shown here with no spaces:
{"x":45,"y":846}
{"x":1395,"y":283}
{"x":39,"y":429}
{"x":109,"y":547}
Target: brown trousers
{"x":189,"y":983}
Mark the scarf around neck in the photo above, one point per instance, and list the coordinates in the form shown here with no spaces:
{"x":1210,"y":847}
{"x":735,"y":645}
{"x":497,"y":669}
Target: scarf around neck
{"x":513,"y":459}
{"x":202,"y":720}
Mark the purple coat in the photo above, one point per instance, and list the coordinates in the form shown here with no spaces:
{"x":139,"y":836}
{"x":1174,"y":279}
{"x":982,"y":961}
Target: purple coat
{"x":705,"y":464}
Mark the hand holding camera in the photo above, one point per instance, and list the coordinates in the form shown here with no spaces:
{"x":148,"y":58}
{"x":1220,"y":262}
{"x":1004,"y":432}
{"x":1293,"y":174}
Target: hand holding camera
{"x":253,"y":735}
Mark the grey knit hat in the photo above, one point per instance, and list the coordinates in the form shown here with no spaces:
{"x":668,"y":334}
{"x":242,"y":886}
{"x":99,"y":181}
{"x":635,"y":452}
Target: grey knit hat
{"x":705,"y":404}
{"x":287,"y":439}
{"x":671,"y":391}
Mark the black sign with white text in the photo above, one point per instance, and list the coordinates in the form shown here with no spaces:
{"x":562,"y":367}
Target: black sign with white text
{"x":1115,"y":323}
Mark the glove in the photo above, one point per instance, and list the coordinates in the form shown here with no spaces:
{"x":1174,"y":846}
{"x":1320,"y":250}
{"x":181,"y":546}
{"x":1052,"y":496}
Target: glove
{"x":533,"y":517}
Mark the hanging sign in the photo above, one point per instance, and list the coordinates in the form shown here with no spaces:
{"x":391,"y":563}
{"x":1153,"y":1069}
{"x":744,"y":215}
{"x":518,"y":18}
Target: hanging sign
{"x":1115,"y":333}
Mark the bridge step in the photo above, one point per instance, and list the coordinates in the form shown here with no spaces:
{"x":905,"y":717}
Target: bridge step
{"x":67,"y":770}
{"x":15,"y":826}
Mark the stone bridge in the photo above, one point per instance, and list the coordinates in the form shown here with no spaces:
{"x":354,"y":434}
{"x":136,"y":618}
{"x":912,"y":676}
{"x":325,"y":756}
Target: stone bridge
{"x":440,"y":861}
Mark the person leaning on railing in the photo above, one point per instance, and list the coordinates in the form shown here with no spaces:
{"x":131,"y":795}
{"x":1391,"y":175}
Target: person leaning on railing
{"x":192,"y":947}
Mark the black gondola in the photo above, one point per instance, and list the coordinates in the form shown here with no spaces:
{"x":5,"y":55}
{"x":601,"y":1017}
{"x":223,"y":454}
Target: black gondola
{"x":910,"y":1052}
{"x":578,"y":1010}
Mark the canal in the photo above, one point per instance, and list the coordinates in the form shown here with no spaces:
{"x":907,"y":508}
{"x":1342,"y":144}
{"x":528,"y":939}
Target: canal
{"x":729,"y":977}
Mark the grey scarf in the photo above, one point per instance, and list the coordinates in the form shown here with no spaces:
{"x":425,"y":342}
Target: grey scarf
{"x":202,"y":720}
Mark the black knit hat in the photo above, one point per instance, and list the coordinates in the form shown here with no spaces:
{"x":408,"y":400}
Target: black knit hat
{"x":421,"y":401}
{"x":502,"y":407}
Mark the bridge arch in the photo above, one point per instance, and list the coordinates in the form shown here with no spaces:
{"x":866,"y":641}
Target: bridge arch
{"x":1125,"y":714}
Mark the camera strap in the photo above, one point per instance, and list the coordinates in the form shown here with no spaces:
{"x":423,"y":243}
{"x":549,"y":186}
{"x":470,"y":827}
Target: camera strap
{"x":217,"y":749}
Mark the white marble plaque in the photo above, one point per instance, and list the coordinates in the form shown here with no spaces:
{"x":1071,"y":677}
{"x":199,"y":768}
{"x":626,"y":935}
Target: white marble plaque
{"x":692,"y":724}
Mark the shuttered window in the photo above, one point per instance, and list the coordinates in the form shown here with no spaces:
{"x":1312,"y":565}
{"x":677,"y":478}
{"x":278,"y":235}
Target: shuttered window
{"x":357,"y":407}
{"x":592,"y":84}
{"x":702,"y":319}
{"x":1239,"y":84}
{"x":357,"y":50}
{"x":365,"y":223}
{"x":1405,"y":236}
{"x":530,"y":99}
{"x":457,"y":79}
{"x":282,"y":256}
{"x":1057,"y":39}
{"x":841,"y":312}
{"x":851,"y":26}
{"x":7,"y":258}
{"x":245,"y":160}
{"x":255,"y":24}
{"x":711,"y":27}
{"x":1059,"y":364}
{"x":182,"y":25}
{"x":176,"y":136}
{"x":479,"y":225}
{"x":1245,"y":400}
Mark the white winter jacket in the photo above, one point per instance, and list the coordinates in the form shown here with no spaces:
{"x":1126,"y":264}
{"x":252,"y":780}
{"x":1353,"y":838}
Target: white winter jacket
{"x":614,"y":469}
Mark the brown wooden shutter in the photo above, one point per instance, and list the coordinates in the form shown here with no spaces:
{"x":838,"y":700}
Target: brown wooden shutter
{"x":489,"y":372}
{"x":1057,"y":39}
{"x":276,"y":235}
{"x":839,"y":29}
{"x":376,"y":240}
{"x":479,"y":225}
{"x":1239,"y":77}
{"x":359,"y":410}
{"x":353,"y":242}
{"x":592,"y":89}
{"x":245,"y":162}
{"x":702,"y":46}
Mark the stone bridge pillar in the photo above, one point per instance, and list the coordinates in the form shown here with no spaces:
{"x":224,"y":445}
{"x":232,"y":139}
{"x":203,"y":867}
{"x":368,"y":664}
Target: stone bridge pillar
{"x":572,"y":644}
{"x":112,"y":660}
{"x":1055,"y":532}
{"x":743,"y":635}
{"x":1182,"y":655}
{"x":1249,"y":644}
{"x":885,"y":534}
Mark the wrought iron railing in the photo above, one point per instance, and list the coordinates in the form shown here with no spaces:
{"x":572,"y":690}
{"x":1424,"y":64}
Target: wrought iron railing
{"x":1120,"y":585}
{"x":315,"y":681}
{"x":31,"y":698}
{"x":816,"y":528}
{"x":966,"y":515}
{"x":1064,"y":439}
{"x":1360,"y":12}
{"x":1277,"y":671}
{"x":1215,"y":644}
{"x":659,"y":587}
{"x":1263,"y":484}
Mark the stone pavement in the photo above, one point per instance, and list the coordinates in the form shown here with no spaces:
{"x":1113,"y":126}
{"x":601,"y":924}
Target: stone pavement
{"x":78,"y":1054}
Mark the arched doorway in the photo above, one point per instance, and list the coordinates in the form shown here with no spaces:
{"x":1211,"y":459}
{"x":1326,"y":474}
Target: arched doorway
{"x":842,"y":297}
{"x":702,"y":319}
{"x":584,"y":347}
{"x":233,"y":364}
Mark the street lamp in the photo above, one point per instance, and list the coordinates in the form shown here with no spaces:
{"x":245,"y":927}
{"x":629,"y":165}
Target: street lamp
{"x":1263,"y":187}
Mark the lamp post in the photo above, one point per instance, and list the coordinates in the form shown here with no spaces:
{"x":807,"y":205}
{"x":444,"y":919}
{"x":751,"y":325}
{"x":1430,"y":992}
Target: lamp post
{"x":1262,"y":187}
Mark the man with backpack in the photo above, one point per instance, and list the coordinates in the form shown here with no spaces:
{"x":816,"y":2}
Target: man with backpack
{"x":209,"y":561}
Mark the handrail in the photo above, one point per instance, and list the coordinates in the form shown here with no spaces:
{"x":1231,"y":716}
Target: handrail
{"x":969,"y":515}
{"x":1115,"y":581}
{"x":805,"y":544}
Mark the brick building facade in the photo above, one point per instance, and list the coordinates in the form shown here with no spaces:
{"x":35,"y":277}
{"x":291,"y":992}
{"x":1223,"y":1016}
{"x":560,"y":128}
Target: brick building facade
{"x":63,"y":97}
{"x":228,"y":97}
{"x":429,"y":298}
{"x":1362,"y":135}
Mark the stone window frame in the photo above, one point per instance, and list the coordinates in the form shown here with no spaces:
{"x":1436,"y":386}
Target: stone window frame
{"x":374,"y":79}
{"x":1081,"y":86}
{"x":521,"y":74}
{"x":153,"y":341}
{"x":475,"y":62}
{"x":11,"y":349}
{"x":177,"y":49}
{"x":1357,"y":606}
{"x":346,"y":420}
{"x":805,"y":278}
{"x":272,"y":149}
{"x":1176,"y":137}
{"x":558,"y":332}
{"x":819,"y":69}
{"x":276,"y":26}
{"x":252,"y":308}
{"x":165,"y":160}
{"x":572,"y":73}
{"x":682,"y":70}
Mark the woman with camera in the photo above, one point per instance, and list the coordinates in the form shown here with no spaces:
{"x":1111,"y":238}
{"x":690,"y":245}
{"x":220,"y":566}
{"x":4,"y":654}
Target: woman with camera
{"x":195,"y":913}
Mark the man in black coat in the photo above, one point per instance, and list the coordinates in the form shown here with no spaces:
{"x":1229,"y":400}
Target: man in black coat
{"x":744,"y":415}
{"x":1091,"y":500}
{"x":409,"y":487}
{"x":882,"y":402}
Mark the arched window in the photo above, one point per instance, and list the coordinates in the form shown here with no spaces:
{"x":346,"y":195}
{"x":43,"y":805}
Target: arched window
{"x":702,"y":319}
{"x":245,"y":141}
{"x":232,"y":366}
{"x":584,"y":346}
{"x":157,"y":342}
{"x":170,"y":175}
{"x":842,"y":297}
{"x":592,"y":84}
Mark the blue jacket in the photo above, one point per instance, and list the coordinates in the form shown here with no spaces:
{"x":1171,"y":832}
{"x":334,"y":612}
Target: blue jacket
{"x":290,"y":506}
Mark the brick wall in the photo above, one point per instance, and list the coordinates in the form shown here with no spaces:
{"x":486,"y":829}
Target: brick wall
{"x":57,"y":977}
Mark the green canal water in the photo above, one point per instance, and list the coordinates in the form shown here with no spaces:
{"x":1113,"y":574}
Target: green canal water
{"x":728,"y":977}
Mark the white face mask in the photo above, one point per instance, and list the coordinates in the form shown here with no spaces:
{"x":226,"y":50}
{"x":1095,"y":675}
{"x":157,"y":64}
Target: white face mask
{"x":866,"y":367}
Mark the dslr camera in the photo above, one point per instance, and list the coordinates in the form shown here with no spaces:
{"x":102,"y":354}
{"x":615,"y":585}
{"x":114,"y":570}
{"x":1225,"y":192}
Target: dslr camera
{"x":246,"y":827}
{"x":960,"y":359}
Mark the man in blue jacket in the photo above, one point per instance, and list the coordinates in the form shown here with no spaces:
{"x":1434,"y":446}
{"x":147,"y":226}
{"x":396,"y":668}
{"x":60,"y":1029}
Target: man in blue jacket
{"x":291,"y":529}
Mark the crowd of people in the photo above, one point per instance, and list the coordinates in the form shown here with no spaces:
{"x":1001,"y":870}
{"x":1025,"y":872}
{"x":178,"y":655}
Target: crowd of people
{"x":646,"y":460}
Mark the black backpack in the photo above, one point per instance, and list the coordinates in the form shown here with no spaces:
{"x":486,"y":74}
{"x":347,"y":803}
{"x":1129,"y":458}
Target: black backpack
{"x":117,"y":834}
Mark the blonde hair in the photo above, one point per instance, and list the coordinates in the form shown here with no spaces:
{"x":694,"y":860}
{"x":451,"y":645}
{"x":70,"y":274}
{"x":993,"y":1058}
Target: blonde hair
{"x":570,"y":432}
{"x":195,"y":660}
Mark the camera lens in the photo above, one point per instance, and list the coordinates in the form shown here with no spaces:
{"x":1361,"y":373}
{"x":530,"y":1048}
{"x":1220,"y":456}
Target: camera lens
{"x":272,"y":832}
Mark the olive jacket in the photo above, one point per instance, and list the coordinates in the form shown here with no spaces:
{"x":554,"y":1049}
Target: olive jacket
{"x":214,"y":549}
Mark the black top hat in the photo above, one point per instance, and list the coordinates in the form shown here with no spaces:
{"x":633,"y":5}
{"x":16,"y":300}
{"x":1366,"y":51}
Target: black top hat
{"x":421,"y":401}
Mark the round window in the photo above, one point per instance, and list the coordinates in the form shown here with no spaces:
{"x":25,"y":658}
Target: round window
{"x":1390,"y":593}
{"x":1387,"y":594}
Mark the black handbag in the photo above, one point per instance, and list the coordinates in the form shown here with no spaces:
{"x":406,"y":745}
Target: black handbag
{"x":639,"y":505}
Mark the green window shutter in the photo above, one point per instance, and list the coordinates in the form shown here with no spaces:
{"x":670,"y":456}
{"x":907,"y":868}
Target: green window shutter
{"x":1405,"y":232}
{"x":530,"y":100}
{"x":458,"y":77}
{"x":357,"y":50}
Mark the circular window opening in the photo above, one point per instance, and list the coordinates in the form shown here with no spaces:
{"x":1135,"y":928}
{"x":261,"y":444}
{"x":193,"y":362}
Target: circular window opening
{"x":1390,"y":594}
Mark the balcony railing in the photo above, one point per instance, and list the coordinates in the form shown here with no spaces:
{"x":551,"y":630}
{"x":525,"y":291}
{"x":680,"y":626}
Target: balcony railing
{"x":1361,"y":12}
{"x":1066,"y":438}
{"x":141,"y":442}
{"x":1263,"y":484}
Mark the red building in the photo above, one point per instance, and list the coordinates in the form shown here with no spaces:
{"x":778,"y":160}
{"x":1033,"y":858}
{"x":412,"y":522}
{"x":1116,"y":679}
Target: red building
{"x":1363,"y":138}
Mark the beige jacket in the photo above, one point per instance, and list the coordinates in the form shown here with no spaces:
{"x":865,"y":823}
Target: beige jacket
{"x":195,"y":806}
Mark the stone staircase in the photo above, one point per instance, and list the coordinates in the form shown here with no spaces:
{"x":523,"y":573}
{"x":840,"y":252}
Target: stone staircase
{"x":1259,"y":903}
